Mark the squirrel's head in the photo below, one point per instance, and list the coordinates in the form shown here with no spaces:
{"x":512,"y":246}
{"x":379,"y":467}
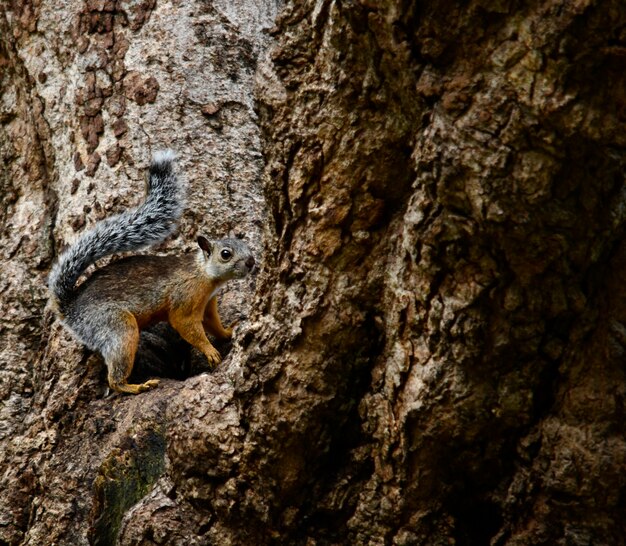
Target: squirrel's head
{"x":226,"y":259}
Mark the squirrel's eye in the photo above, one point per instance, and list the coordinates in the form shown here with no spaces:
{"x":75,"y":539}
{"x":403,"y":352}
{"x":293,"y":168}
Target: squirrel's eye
{"x":226,"y":254}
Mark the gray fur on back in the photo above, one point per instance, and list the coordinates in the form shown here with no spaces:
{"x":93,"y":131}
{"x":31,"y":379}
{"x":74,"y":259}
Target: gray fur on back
{"x":148,"y":224}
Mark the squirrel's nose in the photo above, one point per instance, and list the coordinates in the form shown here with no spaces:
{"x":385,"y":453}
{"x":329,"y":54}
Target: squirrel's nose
{"x":250,"y":262}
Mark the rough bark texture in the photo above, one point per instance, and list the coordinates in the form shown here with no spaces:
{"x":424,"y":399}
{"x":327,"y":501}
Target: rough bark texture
{"x":435,"y":347}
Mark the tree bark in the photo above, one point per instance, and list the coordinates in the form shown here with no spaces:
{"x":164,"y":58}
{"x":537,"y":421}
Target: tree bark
{"x":434,"y":347}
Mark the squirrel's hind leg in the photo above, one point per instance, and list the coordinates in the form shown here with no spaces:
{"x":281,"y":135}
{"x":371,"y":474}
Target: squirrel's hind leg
{"x":119,"y":353}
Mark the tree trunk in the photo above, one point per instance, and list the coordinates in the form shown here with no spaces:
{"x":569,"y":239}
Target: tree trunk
{"x":434,"y":349}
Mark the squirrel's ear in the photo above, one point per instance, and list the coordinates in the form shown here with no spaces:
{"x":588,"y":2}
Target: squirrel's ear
{"x":205,"y":244}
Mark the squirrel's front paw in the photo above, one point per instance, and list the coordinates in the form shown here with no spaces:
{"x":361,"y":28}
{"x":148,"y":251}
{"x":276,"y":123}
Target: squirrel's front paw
{"x":214,"y":357}
{"x":228,"y":332}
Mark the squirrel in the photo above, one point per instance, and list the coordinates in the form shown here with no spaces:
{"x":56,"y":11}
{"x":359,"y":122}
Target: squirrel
{"x":107,"y":310}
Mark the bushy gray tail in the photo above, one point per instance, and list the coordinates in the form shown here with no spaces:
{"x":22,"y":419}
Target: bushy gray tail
{"x":145,"y":225}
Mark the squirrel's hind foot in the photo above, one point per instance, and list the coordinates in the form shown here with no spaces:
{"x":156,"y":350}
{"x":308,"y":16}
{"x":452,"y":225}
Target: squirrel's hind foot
{"x":135,"y":388}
